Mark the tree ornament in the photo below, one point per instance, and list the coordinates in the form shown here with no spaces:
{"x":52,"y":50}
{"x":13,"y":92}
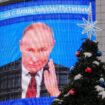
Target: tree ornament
{"x":78,"y":53}
{"x":95,"y":41}
{"x":101,"y":79}
{"x":71,"y":91}
{"x":99,"y":53}
{"x":88,"y":70}
{"x":89,"y":25}
{"x":102,"y":94}
{"x":100,"y":91}
{"x":72,"y":70}
{"x":96,"y":63}
{"x":59,"y":101}
{"x":99,"y":88}
{"x":87,"y":54}
{"x":102,"y":82}
{"x":78,"y":76}
{"x":103,"y":66}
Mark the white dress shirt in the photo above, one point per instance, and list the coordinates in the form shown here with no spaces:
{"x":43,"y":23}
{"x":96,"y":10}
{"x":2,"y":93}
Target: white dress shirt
{"x":26,"y":79}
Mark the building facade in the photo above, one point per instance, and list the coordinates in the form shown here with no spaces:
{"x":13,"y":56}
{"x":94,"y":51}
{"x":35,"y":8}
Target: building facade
{"x":100,"y":17}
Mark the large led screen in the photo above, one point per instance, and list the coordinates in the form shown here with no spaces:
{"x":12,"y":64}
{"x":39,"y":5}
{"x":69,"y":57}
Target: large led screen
{"x":38,"y":41}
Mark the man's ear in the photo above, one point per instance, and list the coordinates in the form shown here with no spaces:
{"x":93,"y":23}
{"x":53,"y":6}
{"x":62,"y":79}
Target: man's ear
{"x":53,"y":45}
{"x":54,"y":41}
{"x":20,"y":42}
{"x":20,"y":45}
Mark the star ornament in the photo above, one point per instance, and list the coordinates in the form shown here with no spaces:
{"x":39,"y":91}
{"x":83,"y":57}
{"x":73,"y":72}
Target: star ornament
{"x":89,"y":25}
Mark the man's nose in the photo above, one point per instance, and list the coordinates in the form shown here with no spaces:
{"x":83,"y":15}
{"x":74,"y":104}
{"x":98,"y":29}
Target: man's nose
{"x":35,"y":58}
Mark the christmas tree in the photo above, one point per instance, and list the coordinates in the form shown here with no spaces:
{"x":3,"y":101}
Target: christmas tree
{"x":87,"y":76}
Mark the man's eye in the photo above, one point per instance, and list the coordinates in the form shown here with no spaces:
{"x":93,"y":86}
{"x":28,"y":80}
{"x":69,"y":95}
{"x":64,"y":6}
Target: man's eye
{"x":31,"y":50}
{"x":43,"y":49}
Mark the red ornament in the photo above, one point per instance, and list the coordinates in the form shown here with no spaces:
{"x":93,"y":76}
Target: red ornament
{"x":88,"y":70}
{"x":78,"y":53}
{"x":71,"y":91}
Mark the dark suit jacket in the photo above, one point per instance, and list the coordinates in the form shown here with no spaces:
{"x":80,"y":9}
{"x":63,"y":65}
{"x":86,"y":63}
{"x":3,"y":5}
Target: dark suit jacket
{"x":10,"y":80}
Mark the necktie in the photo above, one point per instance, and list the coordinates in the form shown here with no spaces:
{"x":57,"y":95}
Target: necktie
{"x":31,"y":90}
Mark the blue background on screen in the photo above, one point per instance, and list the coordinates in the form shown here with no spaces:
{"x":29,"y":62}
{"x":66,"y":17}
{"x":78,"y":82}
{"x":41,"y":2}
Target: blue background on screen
{"x":66,"y":32}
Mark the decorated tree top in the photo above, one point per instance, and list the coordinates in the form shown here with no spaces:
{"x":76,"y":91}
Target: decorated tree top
{"x":89,"y":25}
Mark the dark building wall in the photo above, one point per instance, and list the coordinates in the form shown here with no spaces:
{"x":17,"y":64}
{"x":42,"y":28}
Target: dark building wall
{"x":6,"y":2}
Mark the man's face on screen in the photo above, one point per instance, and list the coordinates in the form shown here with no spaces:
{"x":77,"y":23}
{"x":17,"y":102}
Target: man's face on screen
{"x":36,"y":47}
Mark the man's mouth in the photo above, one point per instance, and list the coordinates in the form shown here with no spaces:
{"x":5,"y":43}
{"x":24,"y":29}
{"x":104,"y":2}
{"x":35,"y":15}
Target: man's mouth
{"x":34,"y":65}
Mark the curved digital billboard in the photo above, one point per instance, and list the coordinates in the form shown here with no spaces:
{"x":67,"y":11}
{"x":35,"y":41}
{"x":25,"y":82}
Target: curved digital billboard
{"x":38,"y":44}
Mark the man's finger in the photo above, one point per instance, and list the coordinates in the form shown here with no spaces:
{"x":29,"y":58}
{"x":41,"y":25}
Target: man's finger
{"x":51,"y":66}
{"x":46,"y":74}
{"x":46,"y":80}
